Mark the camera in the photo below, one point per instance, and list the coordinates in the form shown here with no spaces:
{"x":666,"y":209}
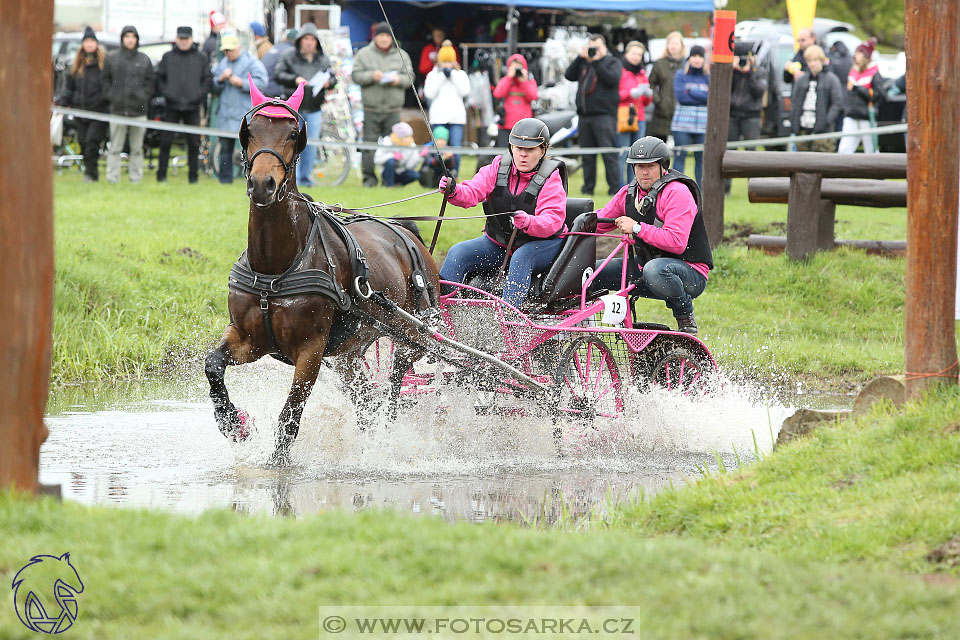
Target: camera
{"x":517,"y":72}
{"x":591,"y":52}
{"x":744,"y":61}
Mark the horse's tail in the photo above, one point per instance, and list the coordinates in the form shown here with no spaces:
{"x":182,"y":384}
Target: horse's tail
{"x":410,"y":226}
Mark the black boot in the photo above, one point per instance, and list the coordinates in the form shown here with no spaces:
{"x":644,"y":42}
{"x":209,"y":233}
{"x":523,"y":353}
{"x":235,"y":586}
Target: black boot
{"x":687,"y":324}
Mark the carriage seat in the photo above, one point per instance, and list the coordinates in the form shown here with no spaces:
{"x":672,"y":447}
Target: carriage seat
{"x":563,"y":278}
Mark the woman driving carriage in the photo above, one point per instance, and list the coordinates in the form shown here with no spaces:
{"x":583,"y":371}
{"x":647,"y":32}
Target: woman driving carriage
{"x":529,"y":188}
{"x":671,"y":259}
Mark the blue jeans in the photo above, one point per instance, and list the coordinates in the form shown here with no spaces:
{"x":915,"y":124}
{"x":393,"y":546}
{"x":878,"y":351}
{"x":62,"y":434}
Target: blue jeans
{"x":483,"y":255}
{"x":309,"y":156}
{"x":668,"y":279}
{"x":390,"y":177}
{"x":456,"y":140}
{"x":681,"y":138}
{"x":624,"y":140}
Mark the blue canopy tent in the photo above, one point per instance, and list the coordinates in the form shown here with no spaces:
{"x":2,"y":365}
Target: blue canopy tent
{"x":360,"y":14}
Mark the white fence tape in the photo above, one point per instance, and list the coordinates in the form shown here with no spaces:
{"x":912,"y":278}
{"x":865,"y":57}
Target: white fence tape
{"x":365,"y":146}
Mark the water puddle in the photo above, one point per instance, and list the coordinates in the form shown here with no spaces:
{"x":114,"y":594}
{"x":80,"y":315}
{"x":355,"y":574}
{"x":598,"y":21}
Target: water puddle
{"x":157,"y":446}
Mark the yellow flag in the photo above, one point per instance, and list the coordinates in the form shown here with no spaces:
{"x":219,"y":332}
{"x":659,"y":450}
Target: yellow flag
{"x":801,"y":14}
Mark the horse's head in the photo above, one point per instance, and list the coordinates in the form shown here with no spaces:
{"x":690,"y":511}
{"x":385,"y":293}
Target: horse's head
{"x":272,"y":135}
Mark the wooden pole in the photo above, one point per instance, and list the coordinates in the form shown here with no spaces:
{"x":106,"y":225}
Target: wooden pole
{"x":26,"y":238}
{"x":933,"y":146}
{"x":718,"y":121}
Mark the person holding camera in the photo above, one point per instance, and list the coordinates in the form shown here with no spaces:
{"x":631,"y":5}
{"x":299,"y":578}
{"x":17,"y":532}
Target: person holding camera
{"x":690,"y":86}
{"x":446,"y":87}
{"x":635,"y":95}
{"x":518,"y":90}
{"x":747,"y":89}
{"x":598,"y":95}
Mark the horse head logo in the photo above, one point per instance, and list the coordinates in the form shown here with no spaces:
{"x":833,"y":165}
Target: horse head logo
{"x":45,"y":593}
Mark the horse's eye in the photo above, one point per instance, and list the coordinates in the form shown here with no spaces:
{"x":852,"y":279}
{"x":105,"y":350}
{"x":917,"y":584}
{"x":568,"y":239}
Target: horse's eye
{"x":293,"y":134}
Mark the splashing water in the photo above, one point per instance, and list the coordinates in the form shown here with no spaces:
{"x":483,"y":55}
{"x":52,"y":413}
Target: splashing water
{"x":439,"y":456}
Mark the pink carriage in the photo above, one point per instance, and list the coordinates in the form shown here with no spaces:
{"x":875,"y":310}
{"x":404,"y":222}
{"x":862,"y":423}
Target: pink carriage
{"x":558,"y":350}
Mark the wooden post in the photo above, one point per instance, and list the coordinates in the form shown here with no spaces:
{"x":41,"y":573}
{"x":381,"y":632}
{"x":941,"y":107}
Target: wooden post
{"x":933,"y":142}
{"x":803,"y":215}
{"x":718,"y":121}
{"x":26,"y":239}
{"x":826,"y":225}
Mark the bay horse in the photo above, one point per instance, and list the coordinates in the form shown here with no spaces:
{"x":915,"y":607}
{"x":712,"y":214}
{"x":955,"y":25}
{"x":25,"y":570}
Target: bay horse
{"x":308,"y":286}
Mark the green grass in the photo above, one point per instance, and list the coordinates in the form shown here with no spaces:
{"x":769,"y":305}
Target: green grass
{"x":141,"y":274}
{"x":225,"y":575}
{"x":880,"y":491}
{"x":827,"y":537}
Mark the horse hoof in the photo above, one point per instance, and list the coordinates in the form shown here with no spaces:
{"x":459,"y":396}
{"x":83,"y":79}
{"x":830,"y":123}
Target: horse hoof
{"x":244,"y":426}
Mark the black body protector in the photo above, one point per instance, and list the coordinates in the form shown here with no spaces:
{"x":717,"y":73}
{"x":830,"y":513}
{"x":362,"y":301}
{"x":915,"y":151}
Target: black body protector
{"x":698,"y":245}
{"x":527,"y":133}
{"x":501,"y":200}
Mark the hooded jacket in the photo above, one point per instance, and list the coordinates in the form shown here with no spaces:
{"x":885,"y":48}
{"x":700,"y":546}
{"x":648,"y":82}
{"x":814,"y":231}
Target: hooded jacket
{"x":293,"y":64}
{"x":381,"y":98}
{"x":516,"y":94}
{"x":598,"y":91}
{"x":128,"y":78}
{"x":85,"y":91}
{"x":184,"y":78}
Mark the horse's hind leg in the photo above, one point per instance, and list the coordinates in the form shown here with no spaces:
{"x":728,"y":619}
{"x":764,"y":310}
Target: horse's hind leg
{"x":232,"y":350}
{"x":305,"y":376}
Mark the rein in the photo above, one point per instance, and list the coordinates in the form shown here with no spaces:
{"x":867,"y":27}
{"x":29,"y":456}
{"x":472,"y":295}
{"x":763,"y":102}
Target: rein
{"x":423,"y":113}
{"x":338,"y":209}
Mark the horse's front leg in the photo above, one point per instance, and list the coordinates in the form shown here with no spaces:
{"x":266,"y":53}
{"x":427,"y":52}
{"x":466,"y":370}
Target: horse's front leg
{"x":305,"y":376}
{"x":232,"y":350}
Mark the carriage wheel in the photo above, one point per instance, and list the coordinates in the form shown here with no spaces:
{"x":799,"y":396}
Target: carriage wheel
{"x":681,"y":369}
{"x":587,"y":382}
{"x":332,"y":165}
{"x":376,"y":364}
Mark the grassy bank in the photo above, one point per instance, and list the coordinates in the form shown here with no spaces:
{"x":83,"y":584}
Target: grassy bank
{"x":881,"y":490}
{"x":141,"y":281}
{"x":825,"y":538}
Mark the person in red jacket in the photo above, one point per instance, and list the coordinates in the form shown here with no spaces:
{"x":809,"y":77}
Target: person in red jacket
{"x":518,"y":90}
{"x":428,"y":57}
{"x":635,"y":95}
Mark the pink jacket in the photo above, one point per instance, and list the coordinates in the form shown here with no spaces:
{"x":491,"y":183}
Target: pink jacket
{"x":551,"y":209}
{"x":516,"y":95}
{"x":629,"y":80}
{"x":675,"y":206}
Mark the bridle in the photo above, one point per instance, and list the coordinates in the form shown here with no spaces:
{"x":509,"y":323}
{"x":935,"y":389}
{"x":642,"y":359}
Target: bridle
{"x":289,"y":170}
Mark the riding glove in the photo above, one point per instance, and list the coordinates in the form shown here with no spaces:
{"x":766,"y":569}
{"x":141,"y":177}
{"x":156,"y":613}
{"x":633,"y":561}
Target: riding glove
{"x":448,"y":185}
{"x":521,"y":220}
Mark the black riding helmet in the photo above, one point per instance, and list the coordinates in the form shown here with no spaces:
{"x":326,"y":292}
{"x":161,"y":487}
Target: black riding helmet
{"x":649,"y":149}
{"x":529,"y":133}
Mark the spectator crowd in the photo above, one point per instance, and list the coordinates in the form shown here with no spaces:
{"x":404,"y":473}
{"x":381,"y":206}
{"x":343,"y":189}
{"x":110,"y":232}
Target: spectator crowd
{"x":621,"y":96}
